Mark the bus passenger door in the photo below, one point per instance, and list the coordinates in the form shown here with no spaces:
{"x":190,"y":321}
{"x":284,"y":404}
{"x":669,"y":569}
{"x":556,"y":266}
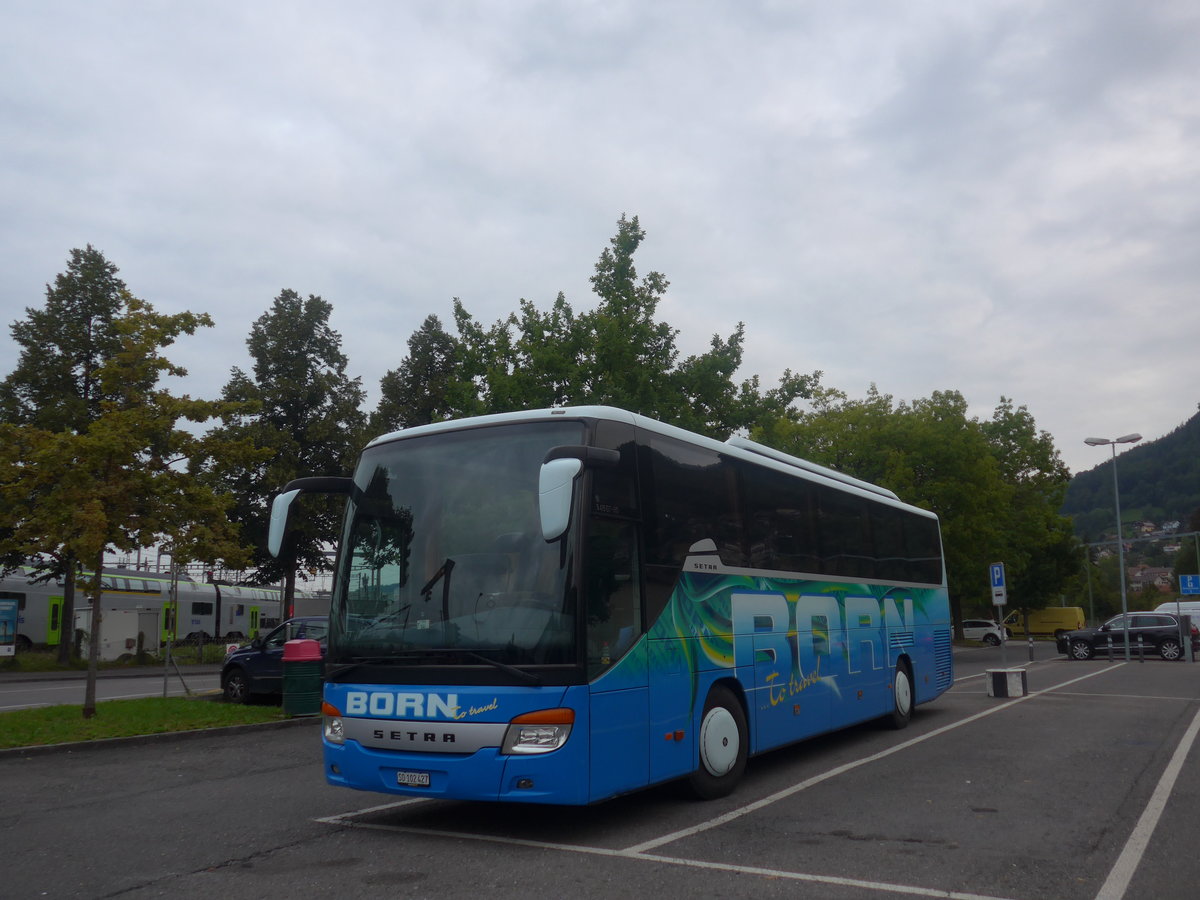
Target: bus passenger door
{"x":616,"y":660}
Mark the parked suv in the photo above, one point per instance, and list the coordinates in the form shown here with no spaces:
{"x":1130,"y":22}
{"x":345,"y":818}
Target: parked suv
{"x":982,"y":630}
{"x":257,"y":669}
{"x":1157,"y":632}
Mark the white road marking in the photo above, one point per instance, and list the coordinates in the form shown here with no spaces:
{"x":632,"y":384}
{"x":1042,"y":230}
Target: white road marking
{"x":1122,"y":871}
{"x":883,"y":886}
{"x":847,"y":767}
{"x":639,"y":851}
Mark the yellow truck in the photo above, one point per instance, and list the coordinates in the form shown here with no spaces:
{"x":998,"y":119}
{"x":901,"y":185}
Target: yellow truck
{"x":1053,"y":620}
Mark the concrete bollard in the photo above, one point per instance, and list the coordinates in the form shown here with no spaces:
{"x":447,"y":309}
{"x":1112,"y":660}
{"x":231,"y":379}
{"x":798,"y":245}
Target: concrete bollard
{"x":1007,"y":683}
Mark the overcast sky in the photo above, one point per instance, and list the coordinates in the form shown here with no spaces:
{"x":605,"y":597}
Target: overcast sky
{"x":998,"y":198}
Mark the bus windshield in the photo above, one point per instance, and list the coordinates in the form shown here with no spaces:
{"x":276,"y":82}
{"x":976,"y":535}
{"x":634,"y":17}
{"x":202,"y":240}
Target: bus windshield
{"x":443,"y":560}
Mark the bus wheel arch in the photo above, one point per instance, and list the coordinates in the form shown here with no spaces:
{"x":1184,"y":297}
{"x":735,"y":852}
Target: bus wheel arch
{"x":902,"y":694}
{"x":723,"y":744}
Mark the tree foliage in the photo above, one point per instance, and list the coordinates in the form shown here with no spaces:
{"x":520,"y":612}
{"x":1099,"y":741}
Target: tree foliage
{"x":56,"y":386}
{"x":618,"y":353}
{"x":301,"y":410}
{"x":117,"y":483}
{"x":1187,"y":560}
{"x":420,"y":390}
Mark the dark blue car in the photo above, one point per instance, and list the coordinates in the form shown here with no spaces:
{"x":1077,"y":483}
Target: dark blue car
{"x":257,"y":668}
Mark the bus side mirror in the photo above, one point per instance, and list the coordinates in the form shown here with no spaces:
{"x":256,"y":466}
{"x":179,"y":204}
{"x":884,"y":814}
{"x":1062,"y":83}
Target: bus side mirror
{"x":279,"y":518}
{"x":316,"y":484}
{"x":555,"y":489}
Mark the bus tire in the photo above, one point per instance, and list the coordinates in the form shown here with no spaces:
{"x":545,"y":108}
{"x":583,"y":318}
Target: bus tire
{"x":902,"y":696}
{"x":723,"y":744}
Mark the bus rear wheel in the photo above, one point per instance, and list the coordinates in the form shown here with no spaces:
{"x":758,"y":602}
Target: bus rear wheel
{"x":902,"y":697}
{"x":724,"y":746}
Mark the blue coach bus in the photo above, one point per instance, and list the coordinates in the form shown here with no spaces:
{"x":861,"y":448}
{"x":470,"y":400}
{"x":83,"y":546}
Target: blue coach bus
{"x":565,"y":605}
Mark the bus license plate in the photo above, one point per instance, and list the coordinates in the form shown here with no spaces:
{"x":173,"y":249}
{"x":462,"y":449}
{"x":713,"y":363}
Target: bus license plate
{"x":413,"y":779}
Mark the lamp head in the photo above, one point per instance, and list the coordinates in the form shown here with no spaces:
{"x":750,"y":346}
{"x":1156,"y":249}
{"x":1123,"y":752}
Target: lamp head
{"x":1096,"y":442}
{"x":1128,"y":439}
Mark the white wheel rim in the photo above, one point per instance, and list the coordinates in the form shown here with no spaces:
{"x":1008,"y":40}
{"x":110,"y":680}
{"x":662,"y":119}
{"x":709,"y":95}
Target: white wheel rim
{"x":903,"y":693}
{"x":719,"y":742}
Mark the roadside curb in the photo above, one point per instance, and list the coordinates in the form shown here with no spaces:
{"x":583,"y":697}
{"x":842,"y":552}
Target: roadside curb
{"x":164,"y":737}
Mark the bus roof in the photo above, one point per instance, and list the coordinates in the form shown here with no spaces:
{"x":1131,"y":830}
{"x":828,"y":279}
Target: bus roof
{"x":740,"y":447}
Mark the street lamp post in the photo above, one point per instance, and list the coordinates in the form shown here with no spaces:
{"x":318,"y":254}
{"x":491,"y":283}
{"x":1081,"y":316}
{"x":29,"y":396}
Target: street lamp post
{"x":1101,"y":442}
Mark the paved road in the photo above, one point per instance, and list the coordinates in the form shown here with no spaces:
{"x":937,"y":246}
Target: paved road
{"x":18,"y":691}
{"x":1086,"y":788}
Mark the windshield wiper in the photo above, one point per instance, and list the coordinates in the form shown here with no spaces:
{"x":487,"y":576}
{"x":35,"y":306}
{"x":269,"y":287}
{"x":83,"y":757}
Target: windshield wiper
{"x":520,"y":674}
{"x":360,"y":661}
{"x":407,"y":657}
{"x":443,"y":572}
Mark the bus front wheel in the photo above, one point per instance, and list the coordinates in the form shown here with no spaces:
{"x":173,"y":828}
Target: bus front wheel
{"x":724,"y":746}
{"x":902,"y":697}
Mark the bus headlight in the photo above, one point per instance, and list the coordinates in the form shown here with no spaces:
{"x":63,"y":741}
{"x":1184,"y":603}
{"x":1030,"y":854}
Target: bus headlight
{"x":538,"y":732}
{"x":334,"y":732}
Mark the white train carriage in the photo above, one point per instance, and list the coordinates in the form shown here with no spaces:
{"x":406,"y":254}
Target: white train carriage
{"x":201,"y":611}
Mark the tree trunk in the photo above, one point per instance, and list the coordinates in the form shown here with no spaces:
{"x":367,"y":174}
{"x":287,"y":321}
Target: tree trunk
{"x":67,"y":631}
{"x":89,"y":695}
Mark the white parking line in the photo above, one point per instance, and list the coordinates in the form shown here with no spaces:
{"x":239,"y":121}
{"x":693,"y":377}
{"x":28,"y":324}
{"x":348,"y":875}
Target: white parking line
{"x":640,"y":851}
{"x":883,"y":886}
{"x":341,"y":818}
{"x":1122,"y":871}
{"x":1024,"y":665}
{"x":839,"y":770}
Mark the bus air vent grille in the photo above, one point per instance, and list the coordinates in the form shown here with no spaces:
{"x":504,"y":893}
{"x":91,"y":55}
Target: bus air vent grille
{"x":943,"y":658}
{"x":902,"y":640}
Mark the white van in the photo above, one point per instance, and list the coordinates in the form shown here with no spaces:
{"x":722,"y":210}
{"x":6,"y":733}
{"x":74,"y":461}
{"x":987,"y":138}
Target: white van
{"x":1183,"y":607}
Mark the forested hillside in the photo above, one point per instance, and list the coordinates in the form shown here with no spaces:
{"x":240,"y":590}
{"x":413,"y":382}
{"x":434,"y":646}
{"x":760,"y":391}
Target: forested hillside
{"x":1159,"y":481}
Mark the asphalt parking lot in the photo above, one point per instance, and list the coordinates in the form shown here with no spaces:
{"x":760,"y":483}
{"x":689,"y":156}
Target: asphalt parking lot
{"x":1087,"y":787}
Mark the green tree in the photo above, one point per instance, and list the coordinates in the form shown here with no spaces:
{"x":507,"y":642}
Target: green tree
{"x":1040,"y":548}
{"x":420,"y":390}
{"x":305,"y":416}
{"x":1187,"y":560}
{"x":119,"y":483}
{"x":55,"y":385}
{"x":616,"y":354}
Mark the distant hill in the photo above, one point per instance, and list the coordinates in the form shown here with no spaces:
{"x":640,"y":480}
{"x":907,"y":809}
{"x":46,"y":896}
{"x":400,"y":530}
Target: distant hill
{"x":1159,"y":481}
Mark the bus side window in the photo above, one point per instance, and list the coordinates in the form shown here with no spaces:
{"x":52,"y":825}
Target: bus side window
{"x":614,"y":602}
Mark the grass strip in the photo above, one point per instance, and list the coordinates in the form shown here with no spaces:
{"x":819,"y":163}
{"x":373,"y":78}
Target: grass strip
{"x":124,"y":718}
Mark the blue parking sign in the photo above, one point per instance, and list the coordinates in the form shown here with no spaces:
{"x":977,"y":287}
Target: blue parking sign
{"x":999,"y":588}
{"x":1189,"y":584}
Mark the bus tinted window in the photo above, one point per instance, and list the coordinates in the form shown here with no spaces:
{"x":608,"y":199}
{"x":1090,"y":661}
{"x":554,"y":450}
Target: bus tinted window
{"x":924,"y":548}
{"x":695,"y":497}
{"x":846,"y":545}
{"x":614,"y":490}
{"x":781,"y":526}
